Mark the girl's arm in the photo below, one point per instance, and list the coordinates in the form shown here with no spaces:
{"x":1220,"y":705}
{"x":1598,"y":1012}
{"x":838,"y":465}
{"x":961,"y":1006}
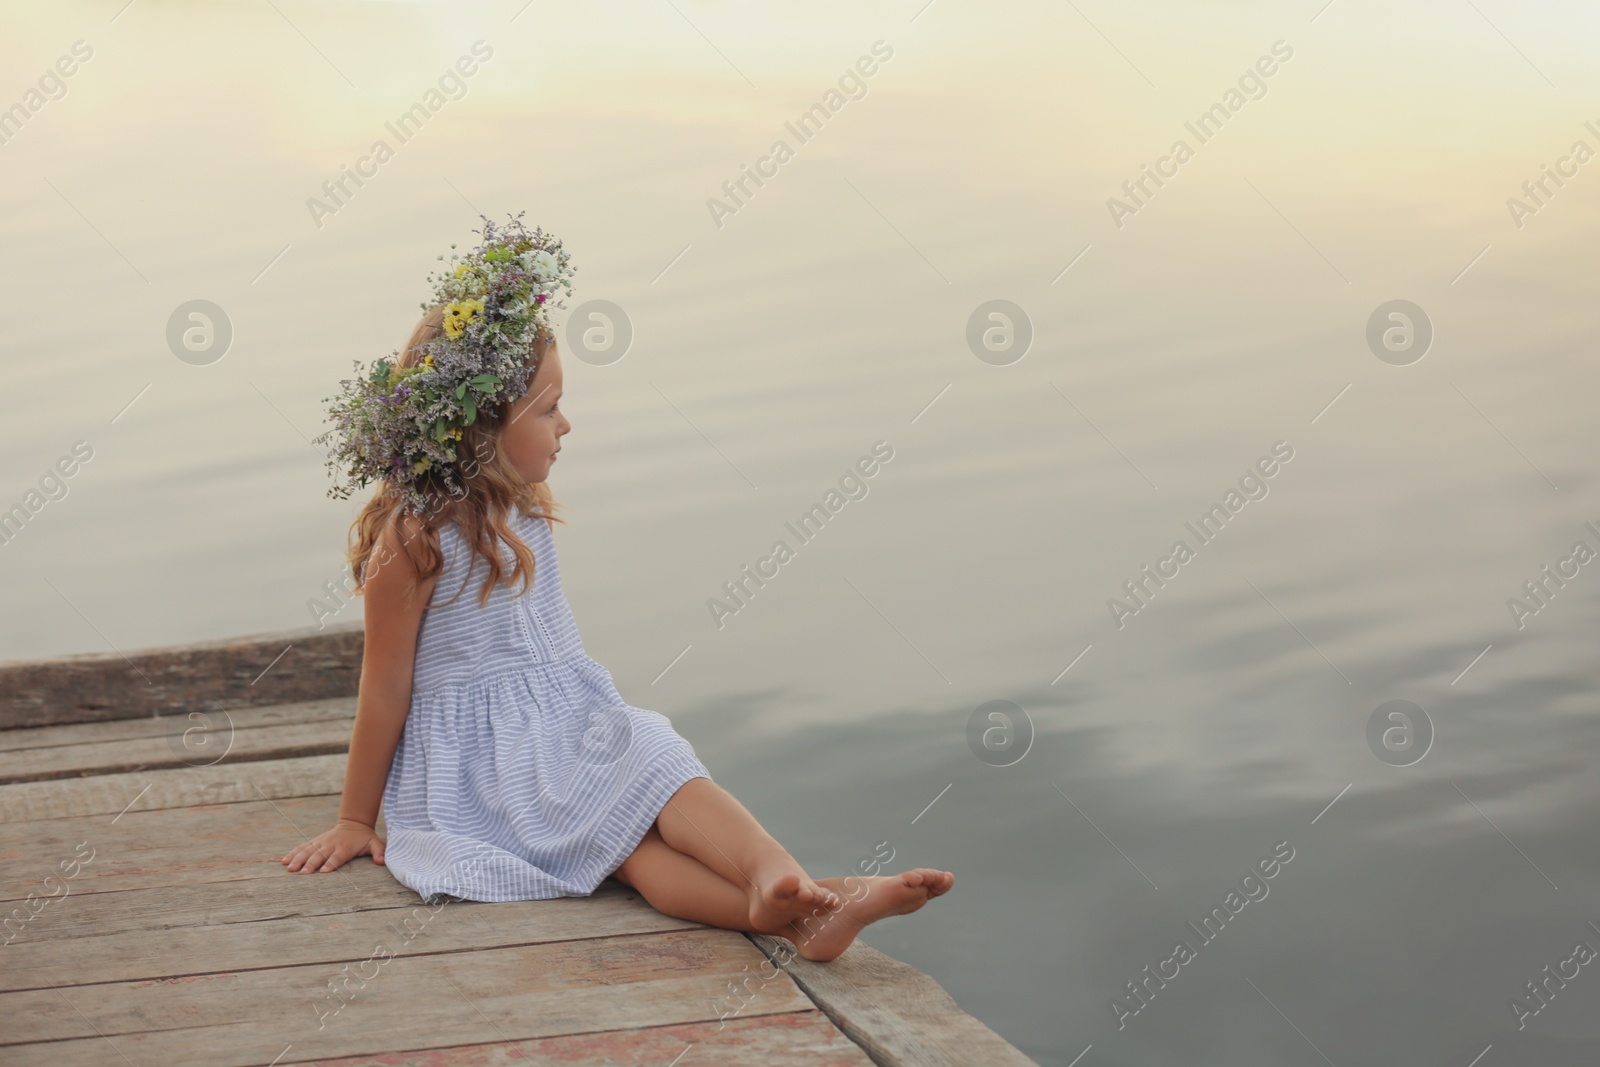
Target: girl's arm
{"x":395,"y":598}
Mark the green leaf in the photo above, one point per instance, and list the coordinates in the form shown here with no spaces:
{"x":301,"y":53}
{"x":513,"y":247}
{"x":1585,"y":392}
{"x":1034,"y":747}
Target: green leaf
{"x":438,"y":429}
{"x":471,"y":408}
{"x":461,"y":390}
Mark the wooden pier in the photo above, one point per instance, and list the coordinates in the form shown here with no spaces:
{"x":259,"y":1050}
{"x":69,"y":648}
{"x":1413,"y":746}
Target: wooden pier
{"x":144,"y":802}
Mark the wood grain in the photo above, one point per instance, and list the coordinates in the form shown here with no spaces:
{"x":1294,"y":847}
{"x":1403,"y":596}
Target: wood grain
{"x":13,"y":740}
{"x":899,"y":1015}
{"x":80,"y":952}
{"x":207,"y":676}
{"x":792,"y":1039}
{"x":112,"y":794}
{"x":165,"y":847}
{"x":218,"y":741}
{"x":410,"y":1002}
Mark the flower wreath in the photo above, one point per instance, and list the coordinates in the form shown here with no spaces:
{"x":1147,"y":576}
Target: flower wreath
{"x":402,"y":424}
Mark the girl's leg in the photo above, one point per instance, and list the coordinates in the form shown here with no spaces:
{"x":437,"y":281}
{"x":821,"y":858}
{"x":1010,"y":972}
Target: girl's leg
{"x":682,"y":886}
{"x":704,"y":821}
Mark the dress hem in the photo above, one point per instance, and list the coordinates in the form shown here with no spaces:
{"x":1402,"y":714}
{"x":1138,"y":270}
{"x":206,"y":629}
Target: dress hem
{"x":673,"y":773}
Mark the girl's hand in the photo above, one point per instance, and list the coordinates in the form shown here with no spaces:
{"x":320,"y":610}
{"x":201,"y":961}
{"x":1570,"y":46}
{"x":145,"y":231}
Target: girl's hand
{"x":332,"y":848}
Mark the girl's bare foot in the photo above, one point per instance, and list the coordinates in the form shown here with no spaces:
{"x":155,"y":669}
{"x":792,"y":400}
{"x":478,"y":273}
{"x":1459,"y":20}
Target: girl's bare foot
{"x":776,"y":901}
{"x":829,"y":935}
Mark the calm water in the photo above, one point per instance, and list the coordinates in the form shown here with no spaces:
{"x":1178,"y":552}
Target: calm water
{"x":1227,"y":313}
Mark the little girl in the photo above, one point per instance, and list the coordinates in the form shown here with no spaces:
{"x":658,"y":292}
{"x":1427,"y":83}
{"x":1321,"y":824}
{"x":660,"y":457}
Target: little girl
{"x":508,"y":766}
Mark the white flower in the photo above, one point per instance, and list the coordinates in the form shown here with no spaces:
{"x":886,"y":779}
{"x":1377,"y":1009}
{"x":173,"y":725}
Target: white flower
{"x":541,"y":263}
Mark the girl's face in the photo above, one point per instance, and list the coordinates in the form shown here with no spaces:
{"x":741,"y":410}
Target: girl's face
{"x":534,"y":428}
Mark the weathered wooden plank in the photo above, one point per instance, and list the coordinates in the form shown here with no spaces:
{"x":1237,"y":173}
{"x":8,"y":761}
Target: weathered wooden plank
{"x":410,"y":1002}
{"x":76,"y":956}
{"x":900,"y":1016}
{"x":161,"y":725}
{"x":167,"y":847}
{"x":110,"y":794}
{"x":174,"y":681}
{"x":219,"y":741}
{"x":359,"y":885}
{"x":793,"y":1039}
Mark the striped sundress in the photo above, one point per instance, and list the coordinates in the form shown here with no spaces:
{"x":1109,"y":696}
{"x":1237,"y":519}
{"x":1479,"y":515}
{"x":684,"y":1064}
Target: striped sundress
{"x":521,"y":773}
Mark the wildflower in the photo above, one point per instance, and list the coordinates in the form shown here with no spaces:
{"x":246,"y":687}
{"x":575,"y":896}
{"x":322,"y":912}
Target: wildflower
{"x":458,"y":315}
{"x":540,"y":264}
{"x":404,"y":425}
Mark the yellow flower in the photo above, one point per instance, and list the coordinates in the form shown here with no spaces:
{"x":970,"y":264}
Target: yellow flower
{"x":454,"y":432}
{"x":457,"y":315}
{"x":461,"y":270}
{"x":422,"y":464}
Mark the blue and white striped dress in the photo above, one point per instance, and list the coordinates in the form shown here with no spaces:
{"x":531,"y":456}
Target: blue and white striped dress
{"x":521,"y":774}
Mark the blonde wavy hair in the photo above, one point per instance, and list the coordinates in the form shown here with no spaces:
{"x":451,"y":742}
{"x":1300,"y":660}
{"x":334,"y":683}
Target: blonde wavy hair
{"x":494,"y":492}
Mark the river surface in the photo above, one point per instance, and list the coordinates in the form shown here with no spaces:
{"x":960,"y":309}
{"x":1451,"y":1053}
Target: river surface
{"x":1167,"y":736}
